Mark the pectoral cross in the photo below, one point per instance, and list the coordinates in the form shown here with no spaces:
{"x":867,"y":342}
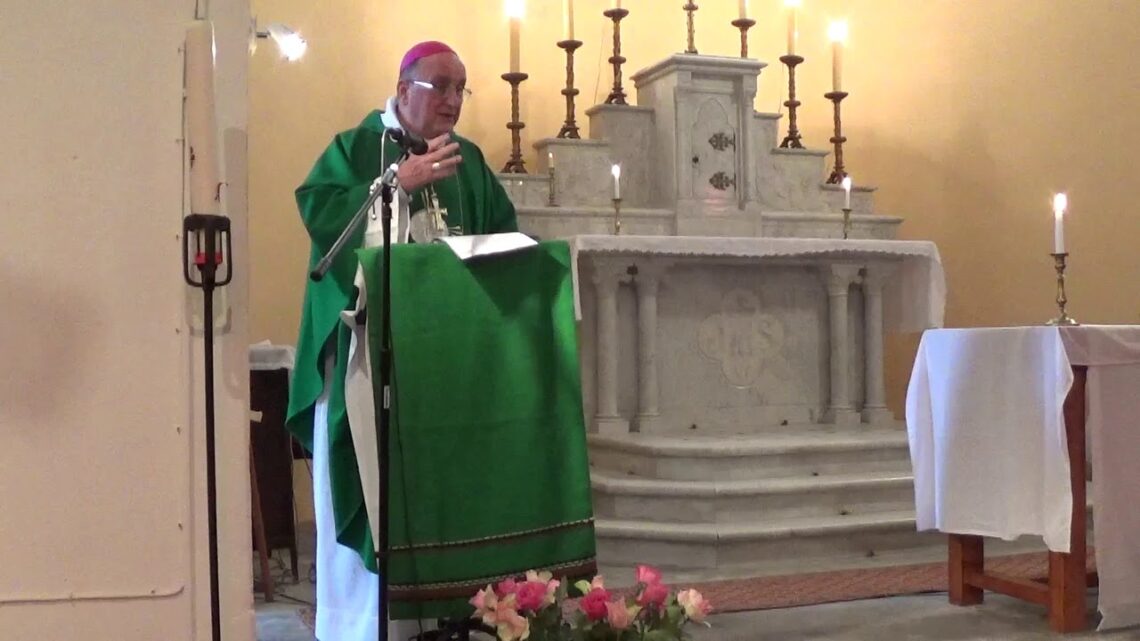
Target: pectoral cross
{"x":438,"y":214}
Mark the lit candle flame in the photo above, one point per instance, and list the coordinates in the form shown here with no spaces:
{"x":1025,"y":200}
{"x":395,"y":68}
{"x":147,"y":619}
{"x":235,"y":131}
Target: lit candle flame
{"x":838,"y":31}
{"x":1060,"y":204}
{"x":515,"y":9}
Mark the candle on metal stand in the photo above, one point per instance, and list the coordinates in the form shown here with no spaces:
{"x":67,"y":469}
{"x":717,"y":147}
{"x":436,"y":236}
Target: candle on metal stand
{"x":568,"y":18}
{"x":201,"y":120}
{"x":515,"y":10}
{"x":847,"y":192}
{"x":1060,"y":204}
{"x":793,"y":35}
{"x":838,"y":35}
{"x":616,"y":170}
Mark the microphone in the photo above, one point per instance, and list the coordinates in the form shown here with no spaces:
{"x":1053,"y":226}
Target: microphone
{"x":408,"y":141}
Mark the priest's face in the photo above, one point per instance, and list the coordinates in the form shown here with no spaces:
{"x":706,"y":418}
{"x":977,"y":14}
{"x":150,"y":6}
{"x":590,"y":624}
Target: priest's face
{"x":430,"y":95}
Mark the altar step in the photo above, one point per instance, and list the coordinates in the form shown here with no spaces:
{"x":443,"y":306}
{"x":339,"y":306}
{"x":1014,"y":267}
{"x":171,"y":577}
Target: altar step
{"x":769,"y":500}
{"x":771,"y":453}
{"x":821,"y":543}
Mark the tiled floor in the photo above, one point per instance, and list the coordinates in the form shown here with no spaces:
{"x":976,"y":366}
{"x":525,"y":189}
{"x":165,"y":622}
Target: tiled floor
{"x":912,"y":618}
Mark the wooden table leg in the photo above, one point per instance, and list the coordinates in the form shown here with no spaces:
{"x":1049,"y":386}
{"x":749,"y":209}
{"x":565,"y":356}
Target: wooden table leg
{"x":1067,"y":576}
{"x":967,"y":558}
{"x":267,"y":586}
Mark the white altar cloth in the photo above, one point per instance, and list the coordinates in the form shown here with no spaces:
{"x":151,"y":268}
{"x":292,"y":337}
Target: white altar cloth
{"x":987,"y":438}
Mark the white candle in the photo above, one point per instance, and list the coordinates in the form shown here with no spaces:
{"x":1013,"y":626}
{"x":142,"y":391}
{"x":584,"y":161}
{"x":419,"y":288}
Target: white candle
{"x":847,"y":192}
{"x":1060,"y":203}
{"x":743,"y":9}
{"x":793,"y":7}
{"x":838,"y":34}
{"x":617,"y":4}
{"x":201,"y":121}
{"x":568,"y":18}
{"x":617,"y":181}
{"x":515,"y":10}
{"x":550,"y":160}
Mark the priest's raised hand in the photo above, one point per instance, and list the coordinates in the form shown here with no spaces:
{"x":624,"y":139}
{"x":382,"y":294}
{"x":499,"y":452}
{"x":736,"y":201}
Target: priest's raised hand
{"x":440,"y":161}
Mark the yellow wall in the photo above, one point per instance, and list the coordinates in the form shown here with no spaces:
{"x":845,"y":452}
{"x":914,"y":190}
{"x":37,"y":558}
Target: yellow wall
{"x":966,"y":114}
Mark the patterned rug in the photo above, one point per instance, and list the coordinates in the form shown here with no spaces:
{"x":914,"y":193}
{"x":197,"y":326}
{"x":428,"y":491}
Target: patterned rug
{"x":765,"y":593}
{"x":795,"y":590}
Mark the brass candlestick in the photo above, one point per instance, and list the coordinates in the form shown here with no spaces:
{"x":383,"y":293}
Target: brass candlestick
{"x":846,"y":222}
{"x":689,"y":8}
{"x":838,"y":173}
{"x":792,"y":140}
{"x":744,"y":24}
{"x":515,"y":165}
{"x":570,"y":127}
{"x":617,"y":216}
{"x":617,"y":95}
{"x":1063,"y":319}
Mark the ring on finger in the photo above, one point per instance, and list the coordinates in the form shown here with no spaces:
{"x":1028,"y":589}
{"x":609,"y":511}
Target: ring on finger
{"x":435,"y":166}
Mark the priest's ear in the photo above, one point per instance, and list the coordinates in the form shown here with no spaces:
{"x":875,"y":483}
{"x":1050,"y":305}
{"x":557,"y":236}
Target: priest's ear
{"x":402,"y":87}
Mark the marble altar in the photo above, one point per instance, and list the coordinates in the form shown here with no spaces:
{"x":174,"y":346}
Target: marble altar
{"x":731,"y":339}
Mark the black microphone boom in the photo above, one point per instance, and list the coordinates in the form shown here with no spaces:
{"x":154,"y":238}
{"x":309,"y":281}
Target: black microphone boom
{"x":408,"y":141}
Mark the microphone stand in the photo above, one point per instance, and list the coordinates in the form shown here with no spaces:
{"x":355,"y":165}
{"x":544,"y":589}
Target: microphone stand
{"x":384,"y":436}
{"x":388,"y":183}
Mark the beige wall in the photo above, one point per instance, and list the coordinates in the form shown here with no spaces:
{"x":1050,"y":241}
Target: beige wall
{"x":103,"y":531}
{"x":967,"y":114}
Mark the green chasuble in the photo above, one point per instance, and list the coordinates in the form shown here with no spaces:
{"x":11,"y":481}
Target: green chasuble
{"x":335,"y":189}
{"x":489,"y":475}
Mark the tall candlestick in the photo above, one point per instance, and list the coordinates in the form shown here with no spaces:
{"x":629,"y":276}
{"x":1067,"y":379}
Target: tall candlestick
{"x":838,"y":34}
{"x":1060,"y":203}
{"x":847,"y":192}
{"x":568,"y":18}
{"x":616,"y":170}
{"x":514,"y":10}
{"x":201,"y":121}
{"x":793,"y":7}
{"x":743,"y":9}
{"x":617,"y":94}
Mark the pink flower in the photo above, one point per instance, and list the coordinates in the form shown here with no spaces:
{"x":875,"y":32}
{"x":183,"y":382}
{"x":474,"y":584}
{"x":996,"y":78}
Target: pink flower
{"x":619,"y":615}
{"x":531,"y":595}
{"x":594,"y":604}
{"x":696,"y":607}
{"x":506,"y":586}
{"x":501,"y":613}
{"x":547,"y":579}
{"x":648,"y":575}
{"x":653,"y":595}
{"x":541,"y":577}
{"x":511,"y":626}
{"x":483,"y":600}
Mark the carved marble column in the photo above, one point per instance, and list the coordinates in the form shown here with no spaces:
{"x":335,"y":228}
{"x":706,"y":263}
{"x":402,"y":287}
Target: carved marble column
{"x":607,"y":277}
{"x":647,"y":280}
{"x":838,"y":278}
{"x":875,"y":402}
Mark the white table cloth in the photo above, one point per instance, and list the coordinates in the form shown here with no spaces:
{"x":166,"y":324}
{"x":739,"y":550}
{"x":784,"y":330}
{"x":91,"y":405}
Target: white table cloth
{"x":987,"y":438}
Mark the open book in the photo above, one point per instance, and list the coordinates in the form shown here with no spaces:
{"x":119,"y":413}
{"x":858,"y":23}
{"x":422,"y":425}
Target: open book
{"x":467,"y":247}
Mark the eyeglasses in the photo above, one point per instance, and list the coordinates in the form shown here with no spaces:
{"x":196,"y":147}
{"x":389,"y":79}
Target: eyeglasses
{"x":446,"y":89}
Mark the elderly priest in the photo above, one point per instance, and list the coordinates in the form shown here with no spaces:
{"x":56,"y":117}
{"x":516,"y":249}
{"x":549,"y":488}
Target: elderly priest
{"x":449,"y":190}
